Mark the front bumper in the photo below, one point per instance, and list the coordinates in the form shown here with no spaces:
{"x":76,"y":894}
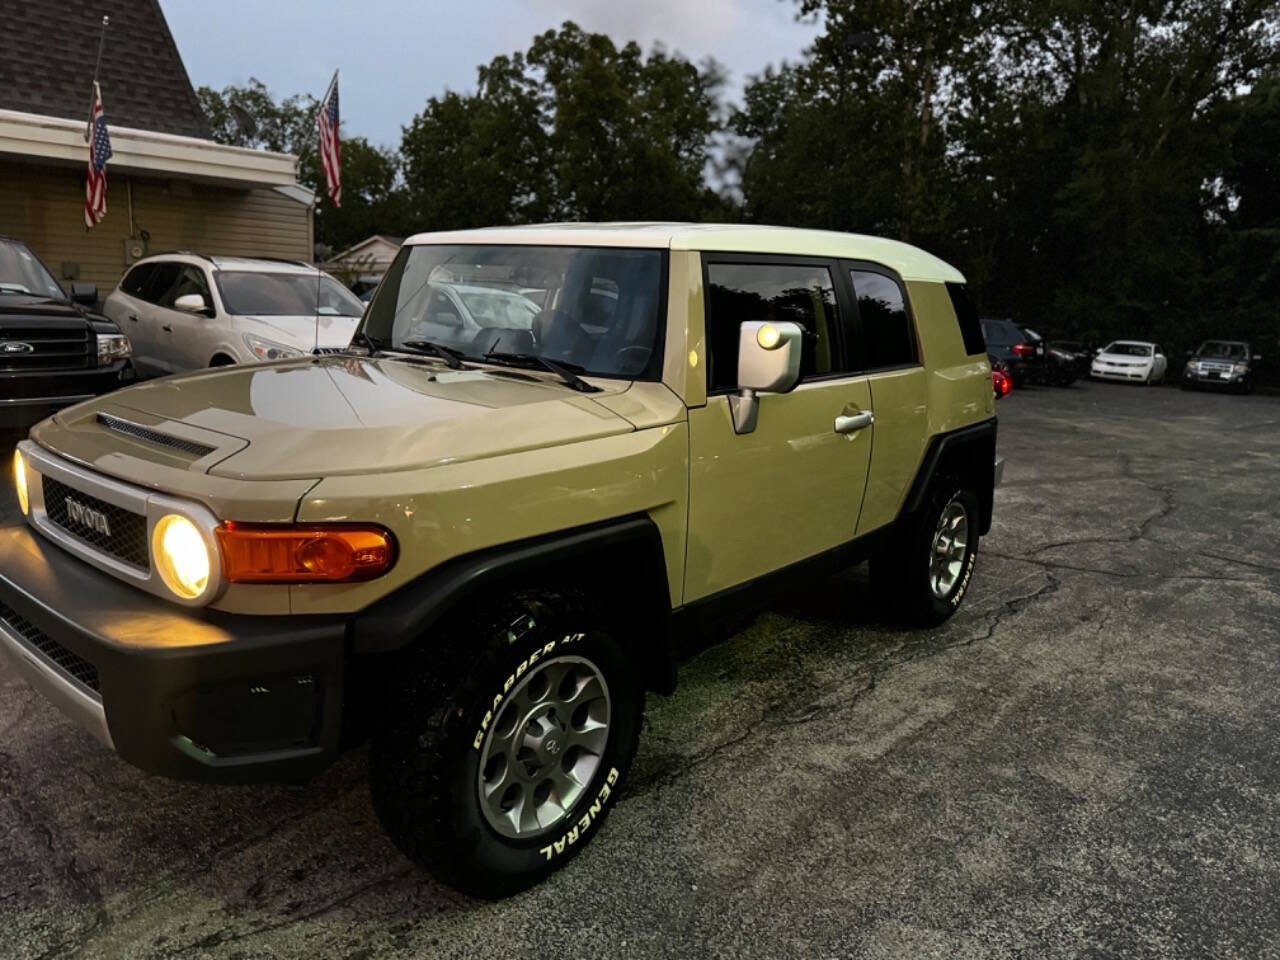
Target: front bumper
{"x":28,"y":398}
{"x":1128,"y":374}
{"x":1214,"y":379}
{"x":191,"y":694}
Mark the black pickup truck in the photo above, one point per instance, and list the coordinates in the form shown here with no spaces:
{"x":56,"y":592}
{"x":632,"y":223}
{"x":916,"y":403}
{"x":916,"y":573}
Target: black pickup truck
{"x":53,"y":350}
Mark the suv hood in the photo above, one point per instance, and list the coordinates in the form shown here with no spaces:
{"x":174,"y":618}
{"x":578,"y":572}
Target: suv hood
{"x":334,"y":415}
{"x":303,"y":332}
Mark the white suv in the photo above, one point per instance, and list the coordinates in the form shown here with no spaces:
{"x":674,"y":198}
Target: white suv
{"x":183,"y":311}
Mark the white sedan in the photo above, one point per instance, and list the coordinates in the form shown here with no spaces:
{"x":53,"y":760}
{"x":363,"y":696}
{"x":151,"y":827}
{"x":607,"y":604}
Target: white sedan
{"x":1131,"y":360}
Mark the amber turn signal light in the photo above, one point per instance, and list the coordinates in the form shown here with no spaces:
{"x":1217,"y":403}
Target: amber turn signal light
{"x":289,"y":553}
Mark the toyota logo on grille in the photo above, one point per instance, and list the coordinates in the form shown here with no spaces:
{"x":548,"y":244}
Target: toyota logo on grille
{"x":88,"y":517}
{"x":16,"y":346}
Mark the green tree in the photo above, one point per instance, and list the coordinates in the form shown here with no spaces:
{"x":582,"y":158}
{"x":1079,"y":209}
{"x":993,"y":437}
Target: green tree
{"x":373,"y":200}
{"x":574,"y":128}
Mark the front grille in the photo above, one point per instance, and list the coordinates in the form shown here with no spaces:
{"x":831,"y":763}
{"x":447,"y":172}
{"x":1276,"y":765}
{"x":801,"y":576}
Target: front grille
{"x":73,"y":666}
{"x":140,"y":432}
{"x":125,"y":533}
{"x":46,"y":346}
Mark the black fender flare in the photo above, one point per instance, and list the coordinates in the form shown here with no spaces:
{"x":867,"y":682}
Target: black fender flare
{"x":628,"y":550}
{"x":973,"y":449}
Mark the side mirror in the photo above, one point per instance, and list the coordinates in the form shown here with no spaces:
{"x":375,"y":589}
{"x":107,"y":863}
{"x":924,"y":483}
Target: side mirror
{"x":768,"y":362}
{"x":84,"y":293}
{"x":1256,"y":357}
{"x":1190,"y":353}
{"x":191,"y":303}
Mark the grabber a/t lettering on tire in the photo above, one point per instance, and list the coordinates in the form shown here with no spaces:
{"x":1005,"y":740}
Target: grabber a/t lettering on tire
{"x":509,"y":735}
{"x":924,"y":575}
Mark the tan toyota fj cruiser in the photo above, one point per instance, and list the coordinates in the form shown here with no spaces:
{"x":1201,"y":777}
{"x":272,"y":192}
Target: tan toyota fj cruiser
{"x":474,"y":537}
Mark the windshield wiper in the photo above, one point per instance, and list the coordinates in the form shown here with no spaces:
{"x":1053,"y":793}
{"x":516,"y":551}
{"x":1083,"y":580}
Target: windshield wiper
{"x":565,"y":371}
{"x":452,"y":358}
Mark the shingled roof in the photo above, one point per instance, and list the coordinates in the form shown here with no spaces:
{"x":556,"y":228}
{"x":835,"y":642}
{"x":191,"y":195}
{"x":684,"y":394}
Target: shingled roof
{"x":49,"y":52}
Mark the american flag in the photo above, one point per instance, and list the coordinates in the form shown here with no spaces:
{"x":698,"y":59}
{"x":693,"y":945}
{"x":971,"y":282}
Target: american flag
{"x":330,"y":149}
{"x":95,"y":188}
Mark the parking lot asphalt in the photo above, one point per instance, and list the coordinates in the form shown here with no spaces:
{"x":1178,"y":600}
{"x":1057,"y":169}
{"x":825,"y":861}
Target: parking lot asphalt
{"x":1082,"y":762}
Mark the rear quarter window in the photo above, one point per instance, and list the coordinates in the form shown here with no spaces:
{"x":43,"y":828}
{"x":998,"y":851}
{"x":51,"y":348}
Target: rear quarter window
{"x":967,"y":316}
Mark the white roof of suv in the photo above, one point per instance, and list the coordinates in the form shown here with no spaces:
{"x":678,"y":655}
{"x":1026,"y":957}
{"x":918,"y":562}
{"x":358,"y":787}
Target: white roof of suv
{"x":910,"y":262}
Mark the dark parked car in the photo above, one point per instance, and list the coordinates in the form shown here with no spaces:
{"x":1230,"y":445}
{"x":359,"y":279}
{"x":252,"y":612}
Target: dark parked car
{"x":1072,"y":354}
{"x":1221,"y":363}
{"x":53,"y":350}
{"x":1023,"y":351}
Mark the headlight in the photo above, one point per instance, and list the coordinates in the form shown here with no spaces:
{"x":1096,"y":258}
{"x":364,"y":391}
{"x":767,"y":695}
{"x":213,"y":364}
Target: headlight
{"x":181,"y":556}
{"x":1191,"y":365}
{"x":113,"y":346}
{"x":20,"y":481}
{"x":269,"y":349}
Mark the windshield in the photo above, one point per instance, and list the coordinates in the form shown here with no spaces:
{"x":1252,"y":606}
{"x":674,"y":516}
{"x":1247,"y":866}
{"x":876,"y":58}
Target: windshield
{"x":21,"y":272}
{"x":597,"y":308}
{"x":1128,"y":349}
{"x":255,"y":294}
{"x":1221,"y":350}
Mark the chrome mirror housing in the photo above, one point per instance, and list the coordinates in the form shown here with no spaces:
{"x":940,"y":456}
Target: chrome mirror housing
{"x":768,"y":362}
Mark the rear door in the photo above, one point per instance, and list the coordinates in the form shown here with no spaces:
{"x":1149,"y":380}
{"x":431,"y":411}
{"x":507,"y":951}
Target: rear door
{"x":793,"y":487}
{"x":126,"y":306}
{"x":154,"y":344}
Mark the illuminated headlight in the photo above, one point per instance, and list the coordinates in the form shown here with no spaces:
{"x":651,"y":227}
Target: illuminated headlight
{"x":113,"y":346}
{"x":20,"y":481}
{"x":268,"y":349}
{"x":181,"y":556}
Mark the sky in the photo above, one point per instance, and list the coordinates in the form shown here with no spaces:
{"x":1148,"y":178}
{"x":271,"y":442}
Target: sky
{"x":394,"y":54}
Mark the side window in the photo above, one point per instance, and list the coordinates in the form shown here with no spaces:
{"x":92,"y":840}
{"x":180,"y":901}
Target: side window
{"x":190,"y":280}
{"x":136,"y":279}
{"x":162,"y":279}
{"x":970,"y":330}
{"x":886,"y":324}
{"x":739,"y":293}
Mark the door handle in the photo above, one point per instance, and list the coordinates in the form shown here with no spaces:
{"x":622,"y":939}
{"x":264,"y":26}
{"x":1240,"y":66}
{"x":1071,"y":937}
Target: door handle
{"x":854,"y":423}
{"x":133,"y":318}
{"x":166,"y":328}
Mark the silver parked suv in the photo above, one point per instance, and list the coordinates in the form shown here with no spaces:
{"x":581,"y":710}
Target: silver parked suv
{"x":184,"y":311}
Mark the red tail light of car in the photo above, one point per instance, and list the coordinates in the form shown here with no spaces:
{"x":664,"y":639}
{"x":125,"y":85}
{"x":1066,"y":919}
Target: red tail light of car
{"x":1001,"y":383}
{"x":1024,"y":350}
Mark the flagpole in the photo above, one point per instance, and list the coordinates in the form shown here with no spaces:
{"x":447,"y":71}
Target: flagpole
{"x":102,"y":38}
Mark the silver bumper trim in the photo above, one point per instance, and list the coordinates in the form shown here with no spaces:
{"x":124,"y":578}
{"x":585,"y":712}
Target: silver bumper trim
{"x":83,"y":709}
{"x":999,"y":470}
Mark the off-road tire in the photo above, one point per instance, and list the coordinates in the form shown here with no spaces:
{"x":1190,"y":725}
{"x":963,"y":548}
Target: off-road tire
{"x":424,"y":763}
{"x":900,"y":575}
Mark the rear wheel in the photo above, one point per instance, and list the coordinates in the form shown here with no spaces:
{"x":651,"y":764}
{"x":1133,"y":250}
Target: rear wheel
{"x":507,"y":742}
{"x":925,"y":575}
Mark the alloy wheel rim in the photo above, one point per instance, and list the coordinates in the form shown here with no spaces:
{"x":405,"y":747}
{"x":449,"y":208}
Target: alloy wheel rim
{"x":544,"y":747}
{"x":950,"y":543}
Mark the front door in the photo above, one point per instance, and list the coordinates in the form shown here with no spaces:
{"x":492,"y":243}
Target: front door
{"x":183,"y":336}
{"x":793,"y":487}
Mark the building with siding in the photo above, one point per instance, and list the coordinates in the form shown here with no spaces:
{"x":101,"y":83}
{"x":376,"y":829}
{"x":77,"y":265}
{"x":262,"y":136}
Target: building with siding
{"x":169,"y":187}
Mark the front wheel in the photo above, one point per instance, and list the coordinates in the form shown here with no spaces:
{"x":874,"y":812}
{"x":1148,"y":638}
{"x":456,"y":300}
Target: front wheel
{"x":925,"y":575}
{"x":507,"y":742}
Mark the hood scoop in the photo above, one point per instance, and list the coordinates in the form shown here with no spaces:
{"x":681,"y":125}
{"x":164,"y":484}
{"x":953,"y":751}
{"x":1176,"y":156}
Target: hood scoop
{"x":139,"y":432}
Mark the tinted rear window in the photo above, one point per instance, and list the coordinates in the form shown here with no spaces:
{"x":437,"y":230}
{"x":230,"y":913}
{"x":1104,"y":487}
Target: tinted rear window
{"x":970,"y":328}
